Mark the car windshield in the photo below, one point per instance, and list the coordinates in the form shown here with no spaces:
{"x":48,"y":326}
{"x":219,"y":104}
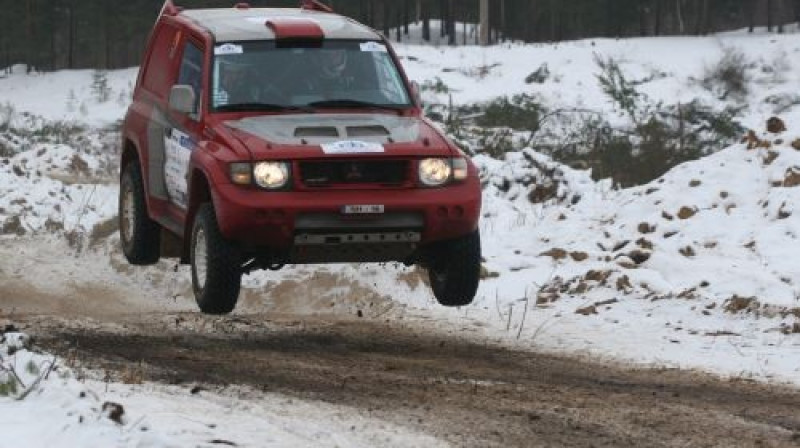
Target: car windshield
{"x":266,"y":75}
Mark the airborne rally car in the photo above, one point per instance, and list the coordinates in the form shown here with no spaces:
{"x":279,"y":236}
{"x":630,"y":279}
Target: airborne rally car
{"x":264,"y":137}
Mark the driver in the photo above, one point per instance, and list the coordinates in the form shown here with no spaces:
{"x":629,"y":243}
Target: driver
{"x":331,"y":72}
{"x":234,"y":84}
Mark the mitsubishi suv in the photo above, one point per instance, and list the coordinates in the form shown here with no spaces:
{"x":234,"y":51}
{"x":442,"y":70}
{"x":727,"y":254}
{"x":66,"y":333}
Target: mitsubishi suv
{"x":261,"y":137}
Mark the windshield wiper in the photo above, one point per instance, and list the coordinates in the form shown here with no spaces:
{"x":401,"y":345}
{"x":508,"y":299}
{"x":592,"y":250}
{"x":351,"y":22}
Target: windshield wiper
{"x":344,"y":103}
{"x":254,"y":107}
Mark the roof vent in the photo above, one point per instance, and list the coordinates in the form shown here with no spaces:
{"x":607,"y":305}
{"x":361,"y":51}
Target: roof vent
{"x":295,"y":28}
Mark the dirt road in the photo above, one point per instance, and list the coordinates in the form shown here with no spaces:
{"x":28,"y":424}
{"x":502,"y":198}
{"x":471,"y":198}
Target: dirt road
{"x":459,"y":391}
{"x":407,"y":369}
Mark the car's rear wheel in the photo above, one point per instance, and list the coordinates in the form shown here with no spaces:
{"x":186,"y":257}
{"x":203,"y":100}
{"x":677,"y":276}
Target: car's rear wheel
{"x":140,"y":235}
{"x":454,"y":270}
{"x":216,"y":265}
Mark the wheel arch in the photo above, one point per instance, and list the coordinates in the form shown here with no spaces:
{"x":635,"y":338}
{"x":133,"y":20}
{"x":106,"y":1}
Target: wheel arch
{"x":199,"y":193}
{"x":130,"y":153}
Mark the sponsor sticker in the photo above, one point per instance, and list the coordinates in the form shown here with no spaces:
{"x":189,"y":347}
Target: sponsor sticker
{"x":225,"y":49}
{"x":179,"y":148}
{"x":373,"y":47}
{"x":352,"y":147}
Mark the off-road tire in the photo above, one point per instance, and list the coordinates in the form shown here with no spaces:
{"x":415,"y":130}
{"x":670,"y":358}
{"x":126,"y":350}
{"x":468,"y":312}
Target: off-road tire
{"x":140,"y":236}
{"x":219,"y":292}
{"x":454,"y":270}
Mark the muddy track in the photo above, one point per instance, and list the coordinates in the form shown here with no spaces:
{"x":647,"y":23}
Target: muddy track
{"x":462,"y":392}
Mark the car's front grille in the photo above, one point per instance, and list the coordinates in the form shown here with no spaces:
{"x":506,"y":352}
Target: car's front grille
{"x":330,"y":173}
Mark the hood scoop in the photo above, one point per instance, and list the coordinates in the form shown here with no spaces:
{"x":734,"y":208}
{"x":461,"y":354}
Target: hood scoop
{"x":317,"y":129}
{"x":367,"y":131}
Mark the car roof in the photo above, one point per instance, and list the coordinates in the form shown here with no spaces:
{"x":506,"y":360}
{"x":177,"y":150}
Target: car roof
{"x":234,"y":24}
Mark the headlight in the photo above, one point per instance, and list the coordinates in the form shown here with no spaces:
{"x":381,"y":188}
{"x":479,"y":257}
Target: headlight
{"x":271,"y":175}
{"x":434,"y":172}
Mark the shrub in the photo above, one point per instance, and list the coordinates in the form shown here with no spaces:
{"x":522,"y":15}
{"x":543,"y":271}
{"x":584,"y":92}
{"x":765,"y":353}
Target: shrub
{"x":540,"y":76}
{"x":617,"y":87}
{"x":728,"y":78}
{"x":7,"y":114}
{"x":435,"y":86}
{"x":100,"y":87}
{"x":520,"y":113}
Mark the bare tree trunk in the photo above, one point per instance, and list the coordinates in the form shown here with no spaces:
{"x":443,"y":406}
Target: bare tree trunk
{"x":779,"y":15}
{"x":769,"y":16}
{"x":679,"y":15}
{"x":642,"y":9}
{"x":406,"y":15}
{"x":451,"y":23}
{"x":503,"y":30}
{"x":371,"y":14}
{"x":399,"y":29}
{"x":658,"y":18}
{"x":702,"y":20}
{"x":29,"y":35}
{"x":443,"y":25}
{"x":72,"y":31}
{"x":107,"y":29}
{"x":426,"y":22}
{"x":386,"y":18}
{"x":751,"y":15}
{"x":710,"y":16}
{"x":484,"y":12}
{"x":797,"y":11}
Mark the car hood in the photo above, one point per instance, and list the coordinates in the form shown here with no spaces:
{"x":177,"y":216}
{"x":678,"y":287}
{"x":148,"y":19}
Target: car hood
{"x":395,"y":134}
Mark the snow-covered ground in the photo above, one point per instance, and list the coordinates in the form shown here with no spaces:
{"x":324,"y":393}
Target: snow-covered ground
{"x":56,"y":405}
{"x":694,"y":270}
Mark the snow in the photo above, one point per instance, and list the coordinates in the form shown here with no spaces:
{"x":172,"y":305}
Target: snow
{"x":65,"y":408}
{"x":695,"y":270}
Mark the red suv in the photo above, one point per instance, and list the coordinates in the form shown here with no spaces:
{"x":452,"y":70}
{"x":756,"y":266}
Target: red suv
{"x":264,"y":137}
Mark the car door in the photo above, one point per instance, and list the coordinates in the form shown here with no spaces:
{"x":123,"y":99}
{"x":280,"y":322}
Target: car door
{"x":183,"y":133}
{"x":158,"y":76}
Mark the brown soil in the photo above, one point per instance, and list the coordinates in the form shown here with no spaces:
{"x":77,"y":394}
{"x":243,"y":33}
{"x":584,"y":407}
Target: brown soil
{"x":465,"y":392}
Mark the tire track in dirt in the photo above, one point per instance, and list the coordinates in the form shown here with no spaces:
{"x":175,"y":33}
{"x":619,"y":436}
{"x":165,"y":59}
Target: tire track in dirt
{"x":460,"y":391}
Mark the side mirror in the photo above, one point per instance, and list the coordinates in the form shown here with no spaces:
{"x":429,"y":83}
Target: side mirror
{"x":182,"y":99}
{"x":416,"y":93}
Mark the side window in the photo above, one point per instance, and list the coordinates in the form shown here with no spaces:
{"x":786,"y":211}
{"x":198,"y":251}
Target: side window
{"x":191,"y":72}
{"x":156,"y":77}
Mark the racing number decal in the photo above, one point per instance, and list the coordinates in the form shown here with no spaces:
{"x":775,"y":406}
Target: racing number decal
{"x":179,"y":148}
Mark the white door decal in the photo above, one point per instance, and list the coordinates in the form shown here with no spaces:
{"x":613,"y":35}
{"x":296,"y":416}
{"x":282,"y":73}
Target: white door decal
{"x":179,"y":148}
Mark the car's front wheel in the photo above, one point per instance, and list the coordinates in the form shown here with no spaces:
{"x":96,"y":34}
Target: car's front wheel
{"x":454,"y":270}
{"x":216,"y":265}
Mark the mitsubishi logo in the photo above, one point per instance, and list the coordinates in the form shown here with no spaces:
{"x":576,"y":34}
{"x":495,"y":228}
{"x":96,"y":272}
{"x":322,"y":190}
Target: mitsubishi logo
{"x":354,"y":172}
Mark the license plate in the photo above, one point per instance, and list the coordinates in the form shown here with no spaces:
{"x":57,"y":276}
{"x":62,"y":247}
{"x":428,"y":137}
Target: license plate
{"x":362,"y":209}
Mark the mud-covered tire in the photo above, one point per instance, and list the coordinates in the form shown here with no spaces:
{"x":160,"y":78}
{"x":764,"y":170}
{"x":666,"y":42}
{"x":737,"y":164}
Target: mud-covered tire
{"x":454,"y":270}
{"x":216,"y":265}
{"x":140,"y":236}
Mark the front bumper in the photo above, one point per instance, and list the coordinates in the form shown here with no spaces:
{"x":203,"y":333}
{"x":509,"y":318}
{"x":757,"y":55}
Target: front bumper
{"x":258,"y":220}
